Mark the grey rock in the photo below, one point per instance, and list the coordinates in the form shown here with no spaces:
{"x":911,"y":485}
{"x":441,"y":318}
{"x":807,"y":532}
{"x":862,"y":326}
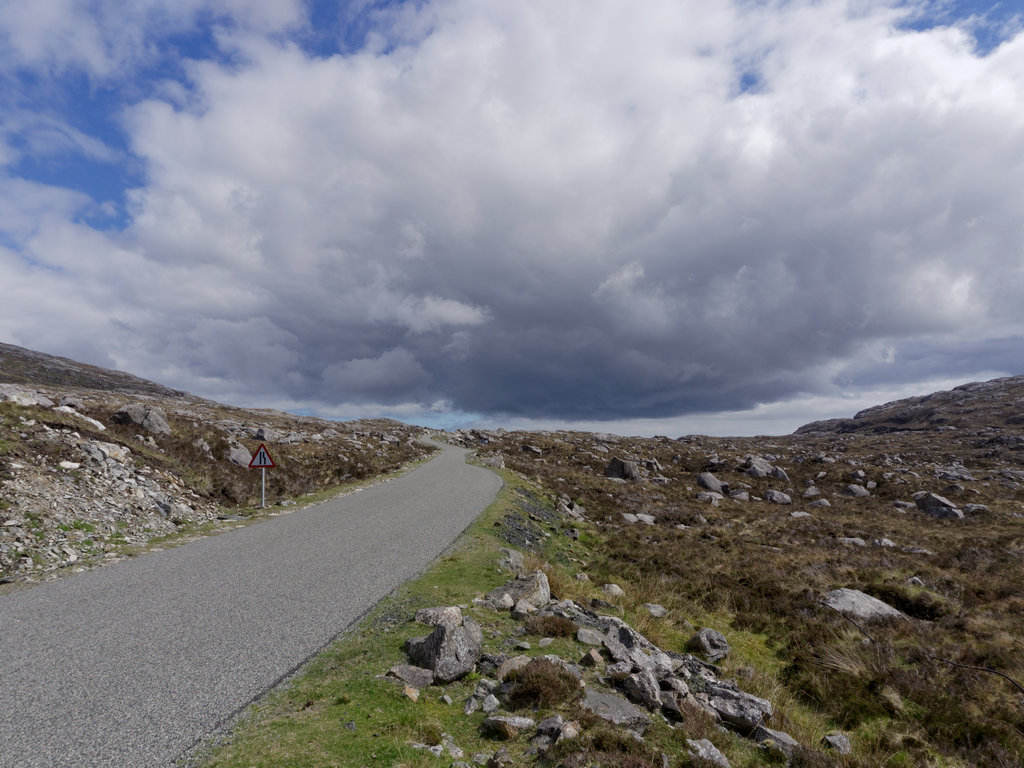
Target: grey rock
{"x":710,"y":497}
{"x":417,"y":677}
{"x":703,"y":749}
{"x":621,"y":469}
{"x":511,"y":560}
{"x":858,"y":605}
{"x":779,"y":474}
{"x":820,"y":504}
{"x":149,"y":417}
{"x":450,"y":615}
{"x":532,"y":587}
{"x":838,"y":742}
{"x":856,"y":491}
{"x":645,"y":519}
{"x":777,"y":497}
{"x":975,"y":509}
{"x":711,"y":643}
{"x":450,"y":651}
{"x":851,"y":541}
{"x":642,"y":688}
{"x":613,"y":590}
{"x":800,"y":514}
{"x":743,"y":711}
{"x":780,"y":740}
{"x":934,"y":505}
{"x":616,"y":710}
{"x":589,"y":636}
{"x":657,"y":611}
{"x":709,"y":482}
{"x":237,"y":454}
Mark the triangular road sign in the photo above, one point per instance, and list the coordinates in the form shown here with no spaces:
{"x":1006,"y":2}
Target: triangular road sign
{"x":261,"y":459}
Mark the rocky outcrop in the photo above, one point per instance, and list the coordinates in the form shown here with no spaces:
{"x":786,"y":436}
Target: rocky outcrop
{"x":858,"y":605}
{"x":452,"y":650}
{"x":147,"y":417}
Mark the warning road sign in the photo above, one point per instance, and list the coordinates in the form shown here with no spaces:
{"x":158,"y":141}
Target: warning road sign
{"x":261,"y":459}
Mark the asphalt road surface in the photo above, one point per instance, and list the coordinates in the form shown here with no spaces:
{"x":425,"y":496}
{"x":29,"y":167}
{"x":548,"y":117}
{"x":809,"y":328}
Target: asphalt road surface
{"x":136,"y":663}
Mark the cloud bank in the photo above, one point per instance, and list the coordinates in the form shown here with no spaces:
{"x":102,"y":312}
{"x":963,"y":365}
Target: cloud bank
{"x":580,"y":211}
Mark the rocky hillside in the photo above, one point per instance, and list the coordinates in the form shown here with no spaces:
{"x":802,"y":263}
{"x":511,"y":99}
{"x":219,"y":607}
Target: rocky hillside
{"x":996,"y":404}
{"x":871,"y":569}
{"x":94,"y":463}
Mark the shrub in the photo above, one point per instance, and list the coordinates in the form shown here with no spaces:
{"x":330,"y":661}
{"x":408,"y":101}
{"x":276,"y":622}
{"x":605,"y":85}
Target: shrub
{"x":541,"y":683}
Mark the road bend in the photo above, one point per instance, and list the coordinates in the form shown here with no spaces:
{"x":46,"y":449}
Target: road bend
{"x":135,"y":663}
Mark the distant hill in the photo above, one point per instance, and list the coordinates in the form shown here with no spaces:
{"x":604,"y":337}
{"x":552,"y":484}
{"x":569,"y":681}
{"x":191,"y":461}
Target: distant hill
{"x":37,"y":369}
{"x":978,"y":405}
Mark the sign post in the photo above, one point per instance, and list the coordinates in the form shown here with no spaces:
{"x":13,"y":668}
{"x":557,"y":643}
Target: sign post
{"x":261,"y":460}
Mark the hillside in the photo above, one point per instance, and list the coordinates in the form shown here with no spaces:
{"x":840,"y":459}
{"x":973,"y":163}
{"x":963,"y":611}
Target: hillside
{"x":95,"y":464}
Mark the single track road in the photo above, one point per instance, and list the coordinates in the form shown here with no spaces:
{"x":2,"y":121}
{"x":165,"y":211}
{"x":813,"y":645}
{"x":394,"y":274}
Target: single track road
{"x":136,"y":663}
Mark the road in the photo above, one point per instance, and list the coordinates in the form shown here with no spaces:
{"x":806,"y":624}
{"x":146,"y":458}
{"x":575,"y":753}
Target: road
{"x":136,"y":663}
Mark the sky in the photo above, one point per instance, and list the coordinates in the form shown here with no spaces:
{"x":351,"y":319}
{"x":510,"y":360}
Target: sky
{"x":669,"y":217}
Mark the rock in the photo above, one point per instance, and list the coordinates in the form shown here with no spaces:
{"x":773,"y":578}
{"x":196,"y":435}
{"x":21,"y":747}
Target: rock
{"x":657,"y":611}
{"x":858,"y":605}
{"x":448,"y":615}
{"x":616,"y":710}
{"x":709,"y":482}
{"x":710,"y":497}
{"x":589,"y":636}
{"x":613,"y":590}
{"x":856,"y":491}
{"x":838,"y":742}
{"x":629,"y":518}
{"x":642,"y":688}
{"x":646,"y":519}
{"x":496,"y":462}
{"x":937,"y":506}
{"x":532,"y":449}
{"x":703,"y":749}
{"x":779,"y":474}
{"x":411,"y":693}
{"x":820,"y":503}
{"x":512,"y":665}
{"x":532,"y":587}
{"x":490,"y":703}
{"x":511,"y":560}
{"x":743,"y":711}
{"x":851,"y":541}
{"x":450,"y":651}
{"x":417,"y":677}
{"x":739,"y":495}
{"x":711,"y":643}
{"x":777,"y":497}
{"x":619,"y":671}
{"x":592,"y":658}
{"x":975,"y":509}
{"x":623,"y":470}
{"x":149,"y":417}
{"x":505,"y":727}
{"x":237,"y":454}
{"x":522,"y":609}
{"x":799,"y":514}
{"x":758,"y":467}
{"x":779,"y":740}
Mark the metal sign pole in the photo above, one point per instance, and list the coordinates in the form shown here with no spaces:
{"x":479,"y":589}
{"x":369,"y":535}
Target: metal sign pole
{"x":263,"y":487}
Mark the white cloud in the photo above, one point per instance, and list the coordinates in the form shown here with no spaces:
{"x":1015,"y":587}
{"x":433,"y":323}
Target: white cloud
{"x":564,"y":210}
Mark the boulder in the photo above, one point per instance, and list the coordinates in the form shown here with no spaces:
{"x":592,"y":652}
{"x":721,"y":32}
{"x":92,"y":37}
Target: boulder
{"x":937,"y":506}
{"x":621,"y":469}
{"x":703,"y":749}
{"x":149,"y":417}
{"x":642,"y":688}
{"x":743,"y":711}
{"x":616,"y":710}
{"x":856,"y":491}
{"x":532,"y":587}
{"x":417,"y":677}
{"x":450,"y":651}
{"x":709,"y":482}
{"x":237,"y":454}
{"x":777,"y":497}
{"x":711,"y":643}
{"x":779,"y":740}
{"x":858,"y":605}
{"x":838,"y":742}
{"x":504,"y":727}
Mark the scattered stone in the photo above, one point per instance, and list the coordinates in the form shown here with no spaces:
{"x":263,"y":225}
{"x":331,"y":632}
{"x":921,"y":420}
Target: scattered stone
{"x":851,"y":541}
{"x":450,"y":651}
{"x":149,"y":417}
{"x":616,"y":710}
{"x":613,"y":590}
{"x":623,"y":470}
{"x":703,"y":749}
{"x":709,"y":482}
{"x":711,"y":643}
{"x":800,"y":514}
{"x":591,"y":658}
{"x":937,"y":506}
{"x":532,"y":587}
{"x":856,"y":491}
{"x":779,"y":740}
{"x":838,"y":742}
{"x":777,"y":497}
{"x":657,"y":611}
{"x":642,"y":688}
{"x":417,"y":677}
{"x":743,"y":711}
{"x":858,"y":605}
{"x":820,"y":503}
{"x":506,"y":727}
{"x":646,"y":519}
